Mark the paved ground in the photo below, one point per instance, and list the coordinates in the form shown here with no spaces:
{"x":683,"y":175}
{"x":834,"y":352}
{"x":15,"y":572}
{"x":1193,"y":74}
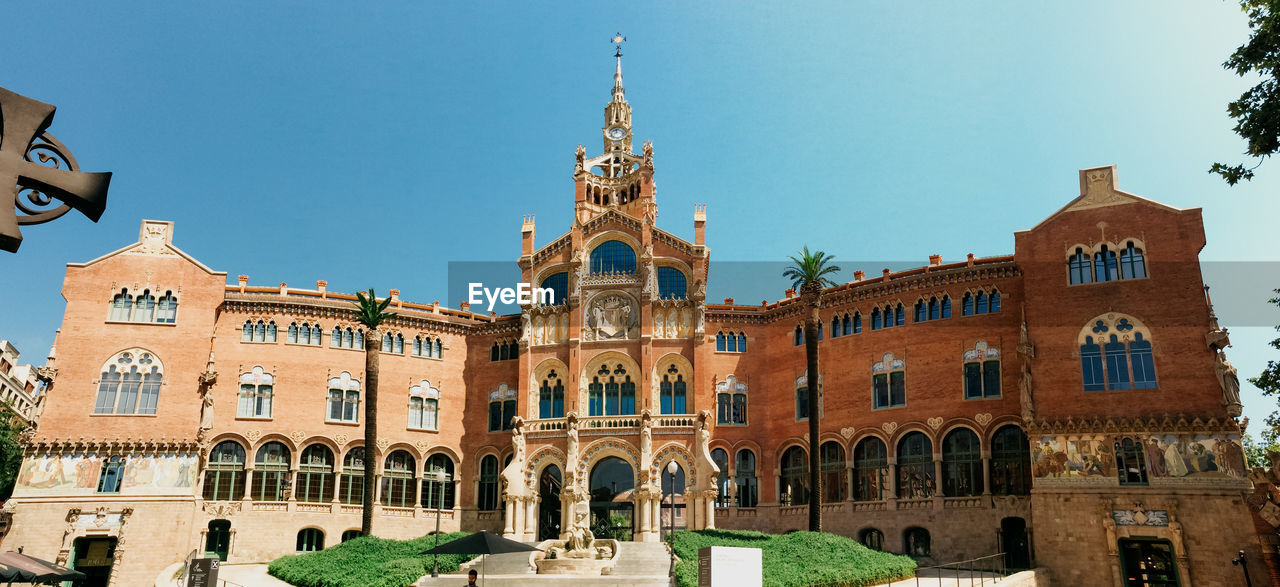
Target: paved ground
{"x":948,"y":578}
{"x":248,"y":576}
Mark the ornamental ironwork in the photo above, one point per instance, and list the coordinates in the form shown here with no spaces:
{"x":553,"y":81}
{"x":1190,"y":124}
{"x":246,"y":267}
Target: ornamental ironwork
{"x":44,"y":180}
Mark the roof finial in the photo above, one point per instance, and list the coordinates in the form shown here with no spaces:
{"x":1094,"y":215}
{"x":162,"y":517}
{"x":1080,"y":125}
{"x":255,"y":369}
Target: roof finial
{"x":618,"y":93}
{"x":618,"y":39}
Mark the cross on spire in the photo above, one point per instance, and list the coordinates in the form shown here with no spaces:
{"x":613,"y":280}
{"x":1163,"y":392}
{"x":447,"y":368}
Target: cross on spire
{"x":618,"y":40}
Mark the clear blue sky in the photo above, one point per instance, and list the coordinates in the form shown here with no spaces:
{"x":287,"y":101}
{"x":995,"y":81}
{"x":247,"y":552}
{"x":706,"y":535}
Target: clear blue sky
{"x":370,"y":145}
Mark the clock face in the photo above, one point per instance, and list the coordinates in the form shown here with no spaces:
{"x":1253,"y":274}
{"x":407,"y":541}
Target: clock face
{"x":616,"y":133}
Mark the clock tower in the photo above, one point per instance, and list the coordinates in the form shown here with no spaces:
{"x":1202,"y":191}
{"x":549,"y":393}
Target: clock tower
{"x":618,"y":178}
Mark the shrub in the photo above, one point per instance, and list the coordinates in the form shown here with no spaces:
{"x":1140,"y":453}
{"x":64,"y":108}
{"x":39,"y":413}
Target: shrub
{"x":797,"y":558}
{"x":367,"y":561}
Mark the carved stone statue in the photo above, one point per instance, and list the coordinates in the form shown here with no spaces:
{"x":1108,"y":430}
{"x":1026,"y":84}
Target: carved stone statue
{"x":708,"y":470}
{"x":1229,"y":381}
{"x":1028,"y":392}
{"x":699,"y":290}
{"x":512,"y":475}
{"x":206,"y":414}
{"x":581,"y":157}
{"x":580,"y":536}
{"x":646,"y":436}
{"x":571,"y":449}
{"x":701,"y":328}
{"x":69,"y":535}
{"x":647,"y":150}
{"x":525,"y":328}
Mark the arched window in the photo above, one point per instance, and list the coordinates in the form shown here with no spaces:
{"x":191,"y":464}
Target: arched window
{"x":981,"y":306}
{"x":439,"y":349}
{"x":846,"y":326}
{"x":270,"y":471}
{"x":834,"y":474}
{"x":111,"y":474}
{"x":129,"y":384}
{"x":424,"y":406}
{"x":672,"y":397}
{"x":731,"y":345}
{"x":916,"y":542}
{"x":167,"y":309}
{"x":611,"y":392}
{"x":344,"y":399}
{"x":551,"y":396}
{"x":487,"y":499}
{"x":224,"y":473}
{"x":613,"y":257}
{"x":1079,"y":268}
{"x":794,"y":484}
{"x":260,"y":332}
{"x":922,"y":311}
{"x":255,"y":394}
{"x":121,"y":306}
{"x":799,"y":335}
{"x":558,"y":283}
{"x":995,"y":301}
{"x":315,"y":475}
{"x":870,"y":469}
{"x":502,"y":408}
{"x":742,"y":342}
{"x":720,"y":345}
{"x":246,"y":331}
{"x":1132,"y":264}
{"x":961,"y":464}
{"x":731,"y":402}
{"x":1127,"y":355}
{"x":872,"y":538}
{"x":1130,"y":463}
{"x":934,"y":309}
{"x":981,"y":372}
{"x":888,"y":383}
{"x":433,"y":490}
{"x":721,"y":459}
{"x":875,"y":319}
{"x":350,"y":535}
{"x":310,"y":540}
{"x":1010,"y":462}
{"x":857,"y":322}
{"x":351,"y":484}
{"x":144,"y":307}
{"x":946,"y":306}
{"x":397,"y":480}
{"x":1105,"y":267}
{"x":671,"y":284}
{"x":748,"y":485}
{"x":899,"y":316}
{"x":315,"y":335}
{"x":967,"y":305}
{"x":915,"y":466}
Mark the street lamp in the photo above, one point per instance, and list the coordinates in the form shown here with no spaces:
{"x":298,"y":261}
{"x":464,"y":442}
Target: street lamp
{"x":1240,"y":561}
{"x":672,"y":467}
{"x":440,"y":477}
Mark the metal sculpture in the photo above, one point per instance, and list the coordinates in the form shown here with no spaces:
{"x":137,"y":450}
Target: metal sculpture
{"x":38,"y":169}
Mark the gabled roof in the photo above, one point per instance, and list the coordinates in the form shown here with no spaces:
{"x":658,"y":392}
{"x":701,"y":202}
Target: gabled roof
{"x":1098,"y":189}
{"x":155,"y":239}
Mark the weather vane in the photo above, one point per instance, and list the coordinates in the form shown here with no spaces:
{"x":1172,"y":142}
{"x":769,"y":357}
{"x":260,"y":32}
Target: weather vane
{"x":618,"y":39}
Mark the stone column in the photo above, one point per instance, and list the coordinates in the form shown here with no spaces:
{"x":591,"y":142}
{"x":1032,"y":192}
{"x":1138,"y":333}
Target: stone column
{"x":508,"y":530}
{"x":337,"y":487}
{"x":709,"y":506}
{"x":643,"y":518}
{"x":248,"y":483}
{"x":530,"y":518}
{"x":986,"y":473}
{"x":937,"y":481}
{"x":890,"y":489}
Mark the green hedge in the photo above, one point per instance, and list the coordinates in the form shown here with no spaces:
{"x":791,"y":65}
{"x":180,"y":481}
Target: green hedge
{"x":797,"y":558}
{"x":367,"y":561}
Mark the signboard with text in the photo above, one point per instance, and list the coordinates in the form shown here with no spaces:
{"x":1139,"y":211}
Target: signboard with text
{"x":729,"y":566}
{"x":202,"y":572}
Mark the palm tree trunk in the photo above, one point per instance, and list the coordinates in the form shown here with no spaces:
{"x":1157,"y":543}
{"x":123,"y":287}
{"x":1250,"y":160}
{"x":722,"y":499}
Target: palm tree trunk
{"x":811,"y":327}
{"x":371,"y":455}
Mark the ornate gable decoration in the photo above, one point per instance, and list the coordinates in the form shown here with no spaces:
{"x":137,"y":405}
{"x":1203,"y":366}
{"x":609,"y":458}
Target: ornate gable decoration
{"x":424,"y":389}
{"x":344,"y":381}
{"x":503,"y":392}
{"x":887,"y":363}
{"x":980,"y":352}
{"x":731,"y":384}
{"x":1098,"y":189}
{"x":257,"y":377}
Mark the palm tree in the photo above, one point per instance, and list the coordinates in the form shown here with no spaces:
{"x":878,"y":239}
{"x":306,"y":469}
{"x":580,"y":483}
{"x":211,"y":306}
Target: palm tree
{"x":372,"y":314}
{"x":808,"y":276}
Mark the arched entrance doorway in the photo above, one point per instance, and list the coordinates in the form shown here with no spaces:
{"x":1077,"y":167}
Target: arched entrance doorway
{"x":1013,"y":540}
{"x":218,"y":540}
{"x":612,"y":483}
{"x":94,"y":557}
{"x":549,"y":503}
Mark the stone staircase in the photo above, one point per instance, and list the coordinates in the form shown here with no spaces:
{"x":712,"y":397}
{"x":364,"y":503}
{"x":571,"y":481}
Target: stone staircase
{"x":640,"y":564}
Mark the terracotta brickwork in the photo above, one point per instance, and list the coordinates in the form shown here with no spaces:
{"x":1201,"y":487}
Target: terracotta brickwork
{"x":994,"y":438}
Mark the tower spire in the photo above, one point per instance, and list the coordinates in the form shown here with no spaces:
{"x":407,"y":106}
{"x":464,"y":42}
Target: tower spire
{"x":619,"y":94}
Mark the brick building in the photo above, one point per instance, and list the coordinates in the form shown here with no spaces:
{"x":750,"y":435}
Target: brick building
{"x":1067,"y":404}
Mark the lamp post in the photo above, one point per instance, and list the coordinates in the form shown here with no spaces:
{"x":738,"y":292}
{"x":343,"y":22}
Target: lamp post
{"x":1240,"y":561}
{"x":440,"y":477}
{"x":672,"y":467}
